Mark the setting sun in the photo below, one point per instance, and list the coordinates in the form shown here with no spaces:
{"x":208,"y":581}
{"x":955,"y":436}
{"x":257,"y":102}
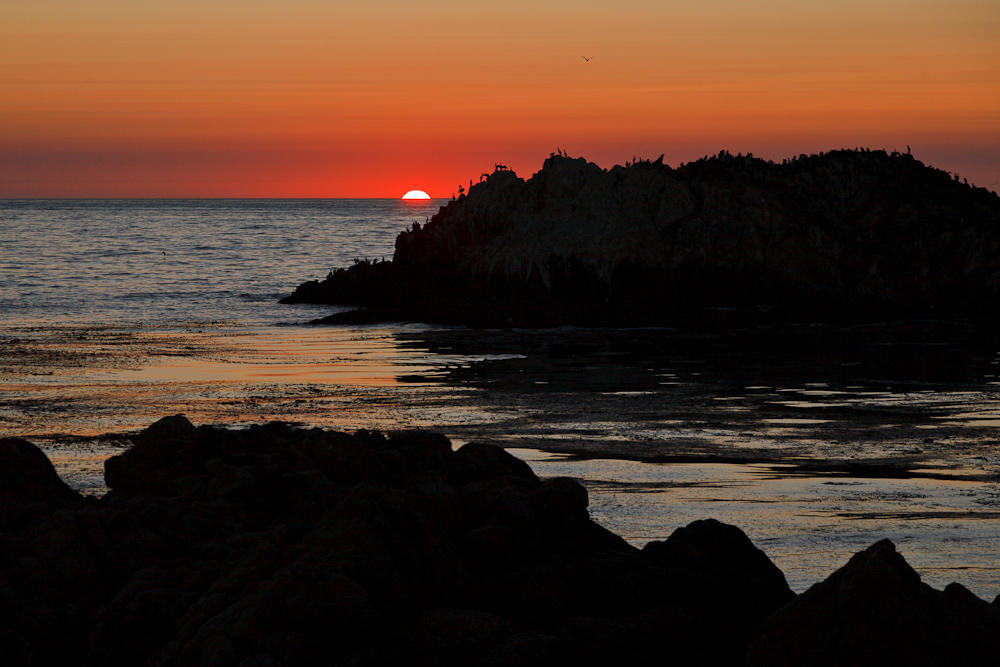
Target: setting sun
{"x":416,"y":194}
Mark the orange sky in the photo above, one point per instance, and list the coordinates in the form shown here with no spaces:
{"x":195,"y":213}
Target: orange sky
{"x":321,"y":98}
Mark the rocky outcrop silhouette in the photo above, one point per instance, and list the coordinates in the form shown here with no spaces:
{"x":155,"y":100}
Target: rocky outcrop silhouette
{"x":843,"y":235}
{"x":876,"y":611}
{"x":281,"y":546}
{"x":27,"y":477}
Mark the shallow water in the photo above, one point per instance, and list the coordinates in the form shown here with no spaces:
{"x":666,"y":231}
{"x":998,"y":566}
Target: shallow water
{"x":816,"y":441}
{"x":807,"y":524}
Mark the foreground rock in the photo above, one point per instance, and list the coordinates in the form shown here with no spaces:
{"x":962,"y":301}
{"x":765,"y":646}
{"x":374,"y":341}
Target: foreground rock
{"x":275,"y":546}
{"x":843,"y":235}
{"x":28,"y":478}
{"x":876,"y":611}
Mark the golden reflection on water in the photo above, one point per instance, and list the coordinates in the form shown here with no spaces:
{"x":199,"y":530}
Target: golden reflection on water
{"x":97,"y":380}
{"x":79,"y":393}
{"x":107,"y":382}
{"x":365,"y":357}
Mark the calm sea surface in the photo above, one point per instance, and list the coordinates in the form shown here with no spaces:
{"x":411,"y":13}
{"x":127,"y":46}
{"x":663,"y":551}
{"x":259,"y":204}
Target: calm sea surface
{"x":816,"y":441}
{"x":99,"y":261}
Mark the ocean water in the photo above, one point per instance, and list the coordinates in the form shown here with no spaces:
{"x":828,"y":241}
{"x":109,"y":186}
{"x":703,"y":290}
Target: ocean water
{"x":816,"y":441}
{"x":156,"y":261}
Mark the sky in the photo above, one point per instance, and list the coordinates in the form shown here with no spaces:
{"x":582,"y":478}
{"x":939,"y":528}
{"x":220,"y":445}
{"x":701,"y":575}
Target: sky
{"x":331,"y":98}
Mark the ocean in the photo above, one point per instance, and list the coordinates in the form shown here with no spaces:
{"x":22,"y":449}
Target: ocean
{"x":156,"y":261}
{"x":815,"y":440}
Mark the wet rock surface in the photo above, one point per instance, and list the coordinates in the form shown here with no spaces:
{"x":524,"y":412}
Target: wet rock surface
{"x":845,"y":235}
{"x":280,"y":546}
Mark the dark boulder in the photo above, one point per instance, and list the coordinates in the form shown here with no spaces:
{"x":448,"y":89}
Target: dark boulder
{"x":167,"y":450}
{"x":725,"y":554}
{"x":27,"y":477}
{"x":876,"y":611}
{"x":715,"y":568}
{"x":667,"y":635}
{"x":482,"y":462}
{"x":531,"y":648}
{"x":279,"y":546}
{"x":560,"y":504}
{"x":449,"y":636}
{"x":418,"y":544}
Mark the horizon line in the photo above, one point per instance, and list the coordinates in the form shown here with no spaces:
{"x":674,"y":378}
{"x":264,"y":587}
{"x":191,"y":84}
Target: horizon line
{"x":183,"y":198}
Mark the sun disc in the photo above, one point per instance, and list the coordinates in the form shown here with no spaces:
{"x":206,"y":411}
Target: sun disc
{"x":416,"y":194}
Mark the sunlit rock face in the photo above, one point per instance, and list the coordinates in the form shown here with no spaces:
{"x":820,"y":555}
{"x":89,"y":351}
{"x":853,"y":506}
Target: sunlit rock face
{"x":842,"y":235}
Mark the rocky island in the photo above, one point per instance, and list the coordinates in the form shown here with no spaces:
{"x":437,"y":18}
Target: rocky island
{"x":276,"y":546}
{"x":845,"y":235}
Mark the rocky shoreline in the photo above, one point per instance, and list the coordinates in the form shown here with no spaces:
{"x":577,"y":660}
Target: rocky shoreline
{"x":848,"y":235}
{"x":281,"y":546}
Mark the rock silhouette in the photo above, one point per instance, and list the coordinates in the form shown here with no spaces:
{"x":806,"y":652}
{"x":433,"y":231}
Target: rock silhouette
{"x":28,"y":478}
{"x":875,"y":611}
{"x":281,"y":546}
{"x":843,"y":235}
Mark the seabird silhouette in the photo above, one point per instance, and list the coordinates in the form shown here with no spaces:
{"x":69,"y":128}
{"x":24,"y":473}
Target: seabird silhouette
{"x":586,"y":58}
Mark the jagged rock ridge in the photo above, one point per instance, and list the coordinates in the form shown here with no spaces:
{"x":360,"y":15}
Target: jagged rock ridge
{"x":275,"y":546}
{"x":841,"y":234}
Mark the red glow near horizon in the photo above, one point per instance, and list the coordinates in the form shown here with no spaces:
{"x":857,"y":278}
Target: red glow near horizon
{"x":178,"y":100}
